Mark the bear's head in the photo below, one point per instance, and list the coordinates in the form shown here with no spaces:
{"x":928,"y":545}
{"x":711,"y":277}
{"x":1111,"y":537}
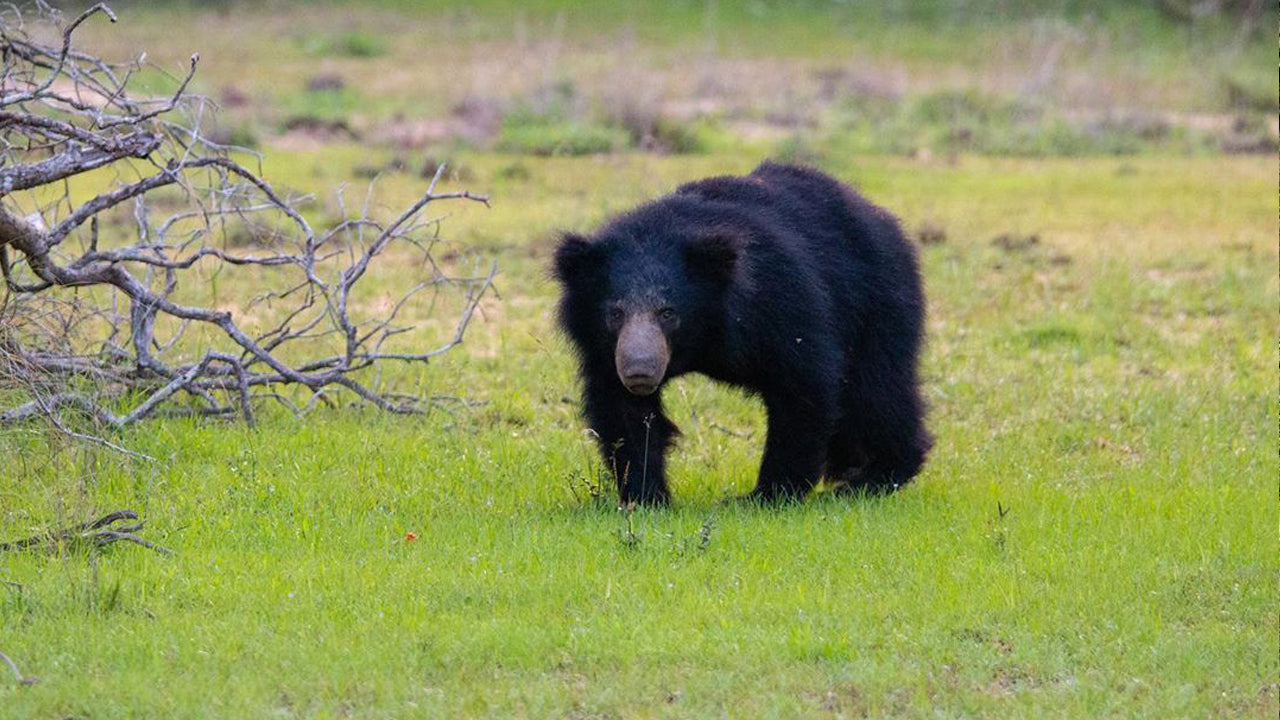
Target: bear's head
{"x":647,"y":301}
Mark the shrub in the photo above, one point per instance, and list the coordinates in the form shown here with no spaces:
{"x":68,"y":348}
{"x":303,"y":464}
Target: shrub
{"x":572,"y":138}
{"x":351,"y":44}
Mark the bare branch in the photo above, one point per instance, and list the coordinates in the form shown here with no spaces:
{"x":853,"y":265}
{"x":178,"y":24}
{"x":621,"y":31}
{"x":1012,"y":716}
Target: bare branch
{"x":62,"y":56}
{"x":73,"y":162}
{"x":22,"y":679}
{"x":106,"y":316}
{"x":167,"y":107}
{"x":96,"y":533}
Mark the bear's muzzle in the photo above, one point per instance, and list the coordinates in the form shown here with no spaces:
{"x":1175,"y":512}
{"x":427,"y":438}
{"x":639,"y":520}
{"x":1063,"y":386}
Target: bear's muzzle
{"x":642,"y":354}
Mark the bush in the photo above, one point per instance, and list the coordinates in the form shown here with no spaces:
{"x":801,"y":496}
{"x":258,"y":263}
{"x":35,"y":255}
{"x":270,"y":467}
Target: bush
{"x":799,"y":149}
{"x":351,"y":44}
{"x":651,"y":131}
{"x":554,"y":120}
{"x":562,"y":138}
{"x":327,"y":105}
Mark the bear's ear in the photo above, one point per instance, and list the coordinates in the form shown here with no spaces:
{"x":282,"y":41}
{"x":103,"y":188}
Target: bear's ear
{"x":575,"y":257}
{"x":716,"y":255}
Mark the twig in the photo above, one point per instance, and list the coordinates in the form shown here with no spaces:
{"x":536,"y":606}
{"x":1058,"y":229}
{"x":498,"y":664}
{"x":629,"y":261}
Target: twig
{"x":95,"y":532}
{"x":729,"y":431}
{"x":22,"y":679}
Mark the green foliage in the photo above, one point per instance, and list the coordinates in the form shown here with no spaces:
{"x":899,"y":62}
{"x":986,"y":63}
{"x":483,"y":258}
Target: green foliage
{"x":240,"y":134}
{"x":550,"y":122}
{"x":672,"y":136}
{"x":800,"y":149}
{"x":965,"y":109}
{"x":350,"y":44}
{"x":556,"y":120}
{"x":649,"y":130}
{"x":568,"y":138}
{"x":155,"y":81}
{"x":1250,"y":93}
{"x":330,"y":105}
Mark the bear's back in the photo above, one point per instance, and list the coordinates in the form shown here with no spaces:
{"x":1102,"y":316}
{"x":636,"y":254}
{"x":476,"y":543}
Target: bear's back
{"x":825,"y":213}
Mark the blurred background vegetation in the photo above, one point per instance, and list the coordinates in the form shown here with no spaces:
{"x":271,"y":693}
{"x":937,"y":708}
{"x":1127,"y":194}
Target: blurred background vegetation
{"x":804,"y":80}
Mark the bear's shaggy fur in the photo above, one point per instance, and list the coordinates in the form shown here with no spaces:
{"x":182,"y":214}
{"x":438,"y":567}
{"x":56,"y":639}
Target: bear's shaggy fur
{"x":783,"y":282}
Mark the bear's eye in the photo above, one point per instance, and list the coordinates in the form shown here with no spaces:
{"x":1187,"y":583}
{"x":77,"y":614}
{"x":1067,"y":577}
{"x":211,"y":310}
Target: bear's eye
{"x":667,"y":314}
{"x":615,"y":316}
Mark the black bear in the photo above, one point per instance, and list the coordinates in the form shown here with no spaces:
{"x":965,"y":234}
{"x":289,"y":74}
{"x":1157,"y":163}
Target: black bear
{"x":784,"y":282}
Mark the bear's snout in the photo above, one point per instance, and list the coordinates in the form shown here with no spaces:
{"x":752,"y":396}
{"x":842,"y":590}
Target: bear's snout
{"x":642,"y":354}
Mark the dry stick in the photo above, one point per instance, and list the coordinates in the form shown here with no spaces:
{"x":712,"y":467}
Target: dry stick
{"x":62,"y":56}
{"x":22,"y":679}
{"x":97,"y":532}
{"x":107,"y":519}
{"x":728,"y":431}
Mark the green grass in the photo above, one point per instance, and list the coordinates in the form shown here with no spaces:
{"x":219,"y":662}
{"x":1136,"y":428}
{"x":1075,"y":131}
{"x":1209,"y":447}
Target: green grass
{"x":1109,"y":388}
{"x":562,"y":139}
{"x":351,"y":44}
{"x":323,"y":105}
{"x":1095,"y":532}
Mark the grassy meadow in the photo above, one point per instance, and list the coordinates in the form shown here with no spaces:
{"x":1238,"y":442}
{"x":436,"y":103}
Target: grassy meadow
{"x":1095,"y":534}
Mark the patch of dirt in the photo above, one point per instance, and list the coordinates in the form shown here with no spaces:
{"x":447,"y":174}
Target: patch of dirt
{"x":842,"y":702}
{"x":233,"y":97}
{"x":325,"y":81}
{"x":1236,"y":134}
{"x":1170,"y":276}
{"x":1118,"y":447}
{"x":481,"y":112}
{"x":309,"y":133}
{"x":930,"y":234}
{"x":419,"y":133}
{"x":83,"y":95}
{"x":1248,"y":145}
{"x":835,"y":83}
{"x":1010,"y":679}
{"x":693,"y":108}
{"x":759,"y":131}
{"x":1011,"y":242}
{"x":414,"y":134}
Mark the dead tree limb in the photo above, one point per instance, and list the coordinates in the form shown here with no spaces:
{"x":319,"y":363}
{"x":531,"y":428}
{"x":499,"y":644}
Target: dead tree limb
{"x":95,"y":533}
{"x":22,"y":679}
{"x":106,"y":311}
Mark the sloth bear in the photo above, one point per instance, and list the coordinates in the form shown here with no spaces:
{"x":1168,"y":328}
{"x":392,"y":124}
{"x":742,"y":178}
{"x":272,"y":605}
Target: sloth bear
{"x":783,"y":282}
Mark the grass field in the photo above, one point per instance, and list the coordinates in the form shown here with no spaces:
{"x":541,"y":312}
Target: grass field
{"x":1094,"y":536}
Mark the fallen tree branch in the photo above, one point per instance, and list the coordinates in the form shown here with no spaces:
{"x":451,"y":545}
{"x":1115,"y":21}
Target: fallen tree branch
{"x":22,"y":679}
{"x":95,"y":533}
{"x":138,"y":255}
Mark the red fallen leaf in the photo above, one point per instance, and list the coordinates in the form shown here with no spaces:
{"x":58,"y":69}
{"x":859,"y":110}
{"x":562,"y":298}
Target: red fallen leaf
{"x":410,"y":536}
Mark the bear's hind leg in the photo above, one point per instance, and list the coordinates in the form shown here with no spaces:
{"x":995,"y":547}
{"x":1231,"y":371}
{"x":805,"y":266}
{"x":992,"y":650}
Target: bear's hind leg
{"x":845,"y":455}
{"x":881,"y":445}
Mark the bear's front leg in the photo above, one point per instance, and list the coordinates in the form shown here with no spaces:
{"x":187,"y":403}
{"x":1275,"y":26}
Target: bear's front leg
{"x":634,"y":436}
{"x":800,"y":428}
